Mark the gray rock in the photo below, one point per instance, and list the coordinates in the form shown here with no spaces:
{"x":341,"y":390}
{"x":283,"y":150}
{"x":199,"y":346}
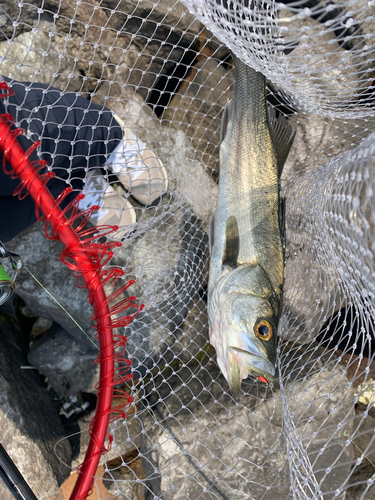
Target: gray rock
{"x":190,"y":179}
{"x":197,"y":441}
{"x":35,"y":57}
{"x":152,"y":19}
{"x":66,"y":355}
{"x":331,"y":83}
{"x":197,"y":108}
{"x":128,"y":105}
{"x":30,"y":426}
{"x":41,"y":258}
{"x":17,"y":18}
{"x":75,"y":62}
{"x":166,"y":21}
{"x":311,"y":293}
{"x":40,"y":326}
{"x":340,"y":53}
{"x":68,"y":366}
{"x":319,"y":140}
{"x":168,"y":260}
{"x":145,"y":68}
{"x":364,"y":489}
{"x":154,"y":38}
{"x":27,"y":312}
{"x":364,"y":439}
{"x":10,"y":12}
{"x":321,"y":74}
{"x":318,"y":411}
{"x":136,"y":66}
{"x":190,"y":341}
{"x":213,"y":46}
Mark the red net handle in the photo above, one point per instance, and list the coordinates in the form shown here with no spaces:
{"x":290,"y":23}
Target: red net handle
{"x":86,"y":259}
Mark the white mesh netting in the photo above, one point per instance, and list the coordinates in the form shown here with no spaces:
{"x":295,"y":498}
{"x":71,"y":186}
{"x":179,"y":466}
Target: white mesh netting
{"x":311,"y":433}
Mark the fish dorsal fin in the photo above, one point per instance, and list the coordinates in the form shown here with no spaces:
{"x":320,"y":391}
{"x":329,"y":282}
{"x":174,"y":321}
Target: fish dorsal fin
{"x":283,"y":136}
{"x":232,"y":243}
{"x":226,"y":118}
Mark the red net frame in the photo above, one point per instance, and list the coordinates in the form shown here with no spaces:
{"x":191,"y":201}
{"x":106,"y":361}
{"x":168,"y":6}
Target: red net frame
{"x":86,"y":258}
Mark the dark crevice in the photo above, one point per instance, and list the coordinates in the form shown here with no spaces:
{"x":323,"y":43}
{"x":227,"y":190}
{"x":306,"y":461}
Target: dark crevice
{"x":227,"y":61}
{"x":202,"y":292}
{"x":168,"y":84}
{"x":278,"y":102}
{"x":343,"y":331}
{"x":367,"y":97}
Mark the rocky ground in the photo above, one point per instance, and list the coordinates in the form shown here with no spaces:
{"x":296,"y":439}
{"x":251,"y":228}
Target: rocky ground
{"x":169,"y":78}
{"x":180,"y":407}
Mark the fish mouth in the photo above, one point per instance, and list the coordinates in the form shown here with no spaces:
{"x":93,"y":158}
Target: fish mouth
{"x":259,"y":366}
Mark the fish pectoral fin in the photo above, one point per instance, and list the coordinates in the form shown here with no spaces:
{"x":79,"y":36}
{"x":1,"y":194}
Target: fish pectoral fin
{"x":283,"y":136}
{"x":226,"y":118}
{"x":232,"y":243}
{"x":234,"y":374}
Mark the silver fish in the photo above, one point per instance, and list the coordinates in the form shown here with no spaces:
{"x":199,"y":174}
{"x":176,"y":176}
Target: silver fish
{"x":245,"y":290}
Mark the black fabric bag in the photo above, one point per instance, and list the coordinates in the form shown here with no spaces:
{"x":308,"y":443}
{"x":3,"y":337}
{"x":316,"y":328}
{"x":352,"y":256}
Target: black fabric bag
{"x":75,"y":135}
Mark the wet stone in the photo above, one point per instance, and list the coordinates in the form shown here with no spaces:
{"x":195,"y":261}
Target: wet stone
{"x":30,"y":425}
{"x":200,"y":441}
{"x":40,"y":326}
{"x":41,"y":257}
{"x":67,"y":364}
{"x":365,"y":488}
{"x":197,"y":108}
{"x":169,"y":264}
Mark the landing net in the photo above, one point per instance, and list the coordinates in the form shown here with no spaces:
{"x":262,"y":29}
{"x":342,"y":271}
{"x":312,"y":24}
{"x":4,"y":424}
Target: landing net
{"x":165,"y":71}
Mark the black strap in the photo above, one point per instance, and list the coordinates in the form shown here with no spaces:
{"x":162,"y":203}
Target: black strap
{"x":13,"y":479}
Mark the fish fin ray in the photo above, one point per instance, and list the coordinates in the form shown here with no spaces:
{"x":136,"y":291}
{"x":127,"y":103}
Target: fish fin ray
{"x":283,"y":136}
{"x":287,"y":47}
{"x":226,"y":118}
{"x":234,"y":374}
{"x":232,"y":243}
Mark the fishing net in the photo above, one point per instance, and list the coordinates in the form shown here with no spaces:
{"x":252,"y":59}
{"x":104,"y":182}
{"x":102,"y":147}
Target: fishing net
{"x":165,"y":70}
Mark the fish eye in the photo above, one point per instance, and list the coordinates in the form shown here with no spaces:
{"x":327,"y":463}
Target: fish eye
{"x":263,"y":330}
